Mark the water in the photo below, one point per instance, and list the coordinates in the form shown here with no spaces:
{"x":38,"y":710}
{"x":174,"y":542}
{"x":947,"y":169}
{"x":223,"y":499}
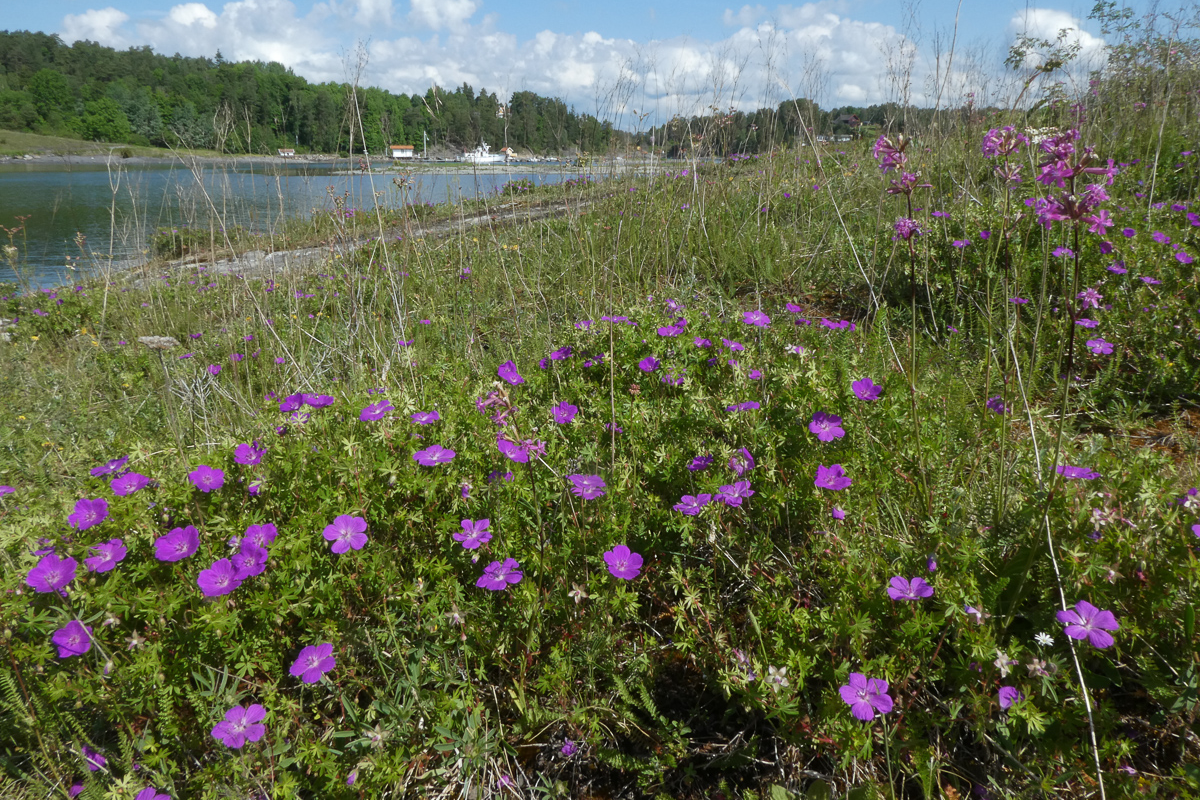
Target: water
{"x":78,"y":216}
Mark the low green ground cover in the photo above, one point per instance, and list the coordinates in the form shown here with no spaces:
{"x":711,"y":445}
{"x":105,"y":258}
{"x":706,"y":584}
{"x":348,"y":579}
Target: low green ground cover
{"x":791,"y":485}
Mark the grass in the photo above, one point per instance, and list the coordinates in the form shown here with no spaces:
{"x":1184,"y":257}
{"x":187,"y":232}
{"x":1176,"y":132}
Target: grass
{"x":716,"y":671}
{"x":20,"y":143}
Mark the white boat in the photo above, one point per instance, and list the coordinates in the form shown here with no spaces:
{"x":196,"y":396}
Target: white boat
{"x":482,"y":155}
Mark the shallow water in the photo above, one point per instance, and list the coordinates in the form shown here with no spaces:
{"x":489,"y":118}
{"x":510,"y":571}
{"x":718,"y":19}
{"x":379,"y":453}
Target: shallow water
{"x":80,"y":217}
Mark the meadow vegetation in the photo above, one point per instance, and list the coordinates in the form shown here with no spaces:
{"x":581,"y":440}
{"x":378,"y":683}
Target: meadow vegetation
{"x":861,"y":471}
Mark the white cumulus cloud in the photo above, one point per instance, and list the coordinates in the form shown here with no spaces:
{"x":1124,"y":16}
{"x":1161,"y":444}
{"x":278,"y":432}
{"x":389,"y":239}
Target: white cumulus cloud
{"x":97,"y":25}
{"x":442,"y":14}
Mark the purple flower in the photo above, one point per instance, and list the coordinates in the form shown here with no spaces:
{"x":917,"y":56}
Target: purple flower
{"x":589,"y":487}
{"x":904,"y":589}
{"x":206,"y":478}
{"x":702,"y":342}
{"x":866,"y":390}
{"x":248,"y":454}
{"x":1099,"y":347}
{"x":291,"y":403}
{"x":375,"y":411}
{"x":749,"y":405}
{"x":313,"y":662}
{"x":261,"y":535}
{"x":249,"y":560}
{"x":1020,"y":301}
{"x":1076,"y":473}
{"x":425,"y":417}
{"x":73,"y":639}
{"x":866,"y":697}
{"x":51,"y":573}
{"x":756,"y":318}
{"x":95,"y":762}
{"x":1084,"y":322}
{"x":221,"y":578}
{"x":317,"y":400}
{"x":700,"y":462}
{"x":508,"y":371}
{"x":6,"y":490}
{"x":996,"y":405}
{"x":128,"y":483}
{"x":214,"y":369}
{"x":827,"y":427}
{"x":691,"y":505}
{"x":1008,"y":696}
{"x":561,"y":353}
{"x":1117,"y":268}
{"x":1183,"y":257}
{"x":622,"y":563}
{"x":733,"y":494}
{"x":1086,"y":621}
{"x":833,"y":477}
{"x":110,"y":467}
{"x":648,"y":364}
{"x":151,"y":793}
{"x":906,"y":229}
{"x":475,"y":533}
{"x":564,"y":412}
{"x":838,"y":513}
{"x":741,"y":462}
{"x":346,"y":533}
{"x":1128,"y":233}
{"x":433,"y":455}
{"x":569,"y":748}
{"x":732,"y":345}
{"x":512,"y":451}
{"x":498,"y":575}
{"x":241,"y":725}
{"x":1146,"y":279}
{"x":88,"y":513}
{"x":177,"y":545}
{"x":107,"y":555}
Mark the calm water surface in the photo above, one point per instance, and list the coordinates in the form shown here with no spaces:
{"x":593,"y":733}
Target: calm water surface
{"x":114,"y":213}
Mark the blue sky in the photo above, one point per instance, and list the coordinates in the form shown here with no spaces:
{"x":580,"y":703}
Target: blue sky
{"x":662,"y":56}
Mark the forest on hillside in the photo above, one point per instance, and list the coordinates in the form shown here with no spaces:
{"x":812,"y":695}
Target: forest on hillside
{"x":137,"y":96}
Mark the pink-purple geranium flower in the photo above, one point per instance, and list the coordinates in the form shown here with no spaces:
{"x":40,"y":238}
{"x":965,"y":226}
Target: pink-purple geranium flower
{"x":648,"y":364}
{"x":73,"y":639}
{"x":905,"y":589}
{"x":564,"y":412}
{"x":241,"y":725}
{"x":88,"y":513}
{"x":219,"y":579}
{"x":508,"y":371}
{"x":313,"y":662}
{"x":827,"y":427}
{"x":866,"y":697}
{"x":346,"y":533}
{"x":177,"y":545}
{"x":249,"y":455}
{"x":691,"y":505}
{"x":425,"y":417}
{"x":833,"y":477}
{"x":1076,"y":473}
{"x":589,"y":487}
{"x":51,"y":573}
{"x":206,"y":478}
{"x":151,"y":793}
{"x":474,"y":533}
{"x":249,"y":560}
{"x":623,"y":563}
{"x":433,"y":455}
{"x":261,"y":535}
{"x":1008,"y":696}
{"x":756,"y":318}
{"x":105,"y":555}
{"x":128,"y":483}
{"x":865,"y":389}
{"x":733,"y":494}
{"x":1085,"y":621}
{"x":498,"y":575}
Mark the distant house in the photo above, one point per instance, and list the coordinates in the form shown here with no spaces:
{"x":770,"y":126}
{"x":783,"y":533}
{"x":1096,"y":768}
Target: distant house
{"x":848,"y":119}
{"x":287,"y":152}
{"x":402,"y":151}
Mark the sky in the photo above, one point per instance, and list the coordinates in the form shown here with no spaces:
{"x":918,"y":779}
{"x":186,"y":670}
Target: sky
{"x":632,"y":61}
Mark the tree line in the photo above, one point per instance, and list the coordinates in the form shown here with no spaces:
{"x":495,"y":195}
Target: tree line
{"x":137,"y":96}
